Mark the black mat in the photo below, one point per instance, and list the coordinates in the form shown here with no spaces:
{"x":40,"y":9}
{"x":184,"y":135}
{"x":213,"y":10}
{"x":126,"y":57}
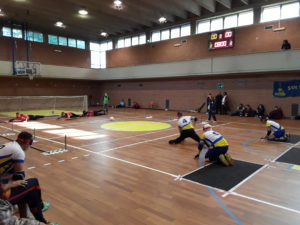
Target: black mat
{"x":292,"y":156}
{"x":293,"y":138}
{"x":225,"y":178}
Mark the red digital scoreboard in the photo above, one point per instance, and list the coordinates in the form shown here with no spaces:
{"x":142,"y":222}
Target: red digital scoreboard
{"x":221,"y":39}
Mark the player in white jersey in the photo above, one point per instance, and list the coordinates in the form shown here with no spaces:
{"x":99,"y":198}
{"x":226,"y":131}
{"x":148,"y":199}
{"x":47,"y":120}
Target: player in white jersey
{"x":186,"y":128}
{"x":275,"y":132}
{"x":217,"y":146}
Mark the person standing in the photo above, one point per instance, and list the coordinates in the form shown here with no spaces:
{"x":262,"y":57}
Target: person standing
{"x":105,"y":102}
{"x":186,"y":128}
{"x":224,"y":104}
{"x":219,"y":103}
{"x":212,"y":109}
{"x":208,"y":99}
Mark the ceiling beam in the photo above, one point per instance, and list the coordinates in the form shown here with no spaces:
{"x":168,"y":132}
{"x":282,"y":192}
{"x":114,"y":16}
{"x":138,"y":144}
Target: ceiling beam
{"x":210,"y":5}
{"x":245,"y":2}
{"x":226,"y":3}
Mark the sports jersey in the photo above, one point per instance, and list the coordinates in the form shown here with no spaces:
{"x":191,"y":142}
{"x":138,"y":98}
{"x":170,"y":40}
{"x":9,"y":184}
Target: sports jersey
{"x":214,"y":139}
{"x":274,"y":126}
{"x":185,"y":122}
{"x":10,"y":153}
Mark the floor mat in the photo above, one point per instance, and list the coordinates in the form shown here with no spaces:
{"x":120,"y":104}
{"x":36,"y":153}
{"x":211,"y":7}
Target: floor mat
{"x":221,"y":177}
{"x":292,"y":156}
{"x":293,"y":139}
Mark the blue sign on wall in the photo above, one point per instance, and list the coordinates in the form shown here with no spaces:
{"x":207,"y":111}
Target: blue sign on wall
{"x":283,"y":89}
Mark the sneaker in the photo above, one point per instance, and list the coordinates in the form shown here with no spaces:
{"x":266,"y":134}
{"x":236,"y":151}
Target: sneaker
{"x":172,"y":142}
{"x":46,"y":206}
{"x":229,"y":159}
{"x":223,"y":160}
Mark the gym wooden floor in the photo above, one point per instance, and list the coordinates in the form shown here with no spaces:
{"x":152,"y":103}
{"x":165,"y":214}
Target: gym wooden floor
{"x":133,"y":178}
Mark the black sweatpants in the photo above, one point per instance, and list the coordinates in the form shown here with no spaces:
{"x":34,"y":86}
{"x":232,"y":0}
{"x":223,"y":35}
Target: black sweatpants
{"x":190,"y":133}
{"x":31,"y":195}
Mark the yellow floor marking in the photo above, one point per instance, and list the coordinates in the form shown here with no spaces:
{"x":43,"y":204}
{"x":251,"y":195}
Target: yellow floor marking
{"x":135,"y":126}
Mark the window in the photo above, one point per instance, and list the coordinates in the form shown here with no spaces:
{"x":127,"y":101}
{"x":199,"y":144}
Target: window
{"x":52,"y":39}
{"x":17,"y":33}
{"x":127,"y":42}
{"x":290,"y":10}
{"x":38,"y":37}
{"x":245,"y":18}
{"x":29,"y":36}
{"x":72,"y":42}
{"x":6,"y":31}
{"x":185,"y":30}
{"x":80,"y":44}
{"x":120,"y":43}
{"x":165,"y":34}
{"x":142,"y":39}
{"x":280,"y":11}
{"x":155,"y":36}
{"x":98,"y":54}
{"x":63,"y":41}
{"x":271,"y":13}
{"x":224,"y":22}
{"x":216,"y":24}
{"x":135,"y":40}
{"x":230,"y":21}
{"x":175,"y":32}
{"x":203,"y":26}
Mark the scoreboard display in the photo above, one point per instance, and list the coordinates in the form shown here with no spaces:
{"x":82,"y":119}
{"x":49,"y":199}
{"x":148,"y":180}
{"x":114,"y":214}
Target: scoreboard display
{"x":221,"y":39}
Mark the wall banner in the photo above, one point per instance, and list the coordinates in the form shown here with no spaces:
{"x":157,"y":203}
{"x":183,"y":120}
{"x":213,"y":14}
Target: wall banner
{"x":283,"y":89}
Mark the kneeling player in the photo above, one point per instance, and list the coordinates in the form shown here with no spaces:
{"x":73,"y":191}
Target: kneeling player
{"x":217,"y":146}
{"x":275,"y":132}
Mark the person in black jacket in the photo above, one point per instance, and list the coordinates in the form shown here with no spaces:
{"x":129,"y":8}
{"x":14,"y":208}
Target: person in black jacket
{"x":285,"y":45}
{"x":212,"y":109}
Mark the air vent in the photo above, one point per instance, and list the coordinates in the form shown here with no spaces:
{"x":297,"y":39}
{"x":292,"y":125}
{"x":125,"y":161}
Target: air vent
{"x":270,"y":27}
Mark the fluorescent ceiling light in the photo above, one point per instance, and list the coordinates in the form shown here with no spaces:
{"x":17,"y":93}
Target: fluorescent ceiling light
{"x":162,"y":20}
{"x":83,"y":12}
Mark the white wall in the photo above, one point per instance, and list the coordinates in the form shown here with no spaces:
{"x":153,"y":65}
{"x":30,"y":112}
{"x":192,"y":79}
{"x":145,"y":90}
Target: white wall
{"x":260,"y":62}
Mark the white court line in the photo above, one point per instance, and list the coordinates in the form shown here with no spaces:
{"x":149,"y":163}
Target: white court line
{"x":243,"y":181}
{"x":61,"y":160}
{"x":47,"y":164}
{"x":265,"y":202}
{"x":74,"y":157}
{"x":30,"y":168}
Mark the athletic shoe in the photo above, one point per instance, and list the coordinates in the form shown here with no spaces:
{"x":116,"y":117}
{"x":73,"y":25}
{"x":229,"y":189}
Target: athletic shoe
{"x":223,"y":160}
{"x":46,"y":206}
{"x":172,"y":142}
{"x":229,"y":159}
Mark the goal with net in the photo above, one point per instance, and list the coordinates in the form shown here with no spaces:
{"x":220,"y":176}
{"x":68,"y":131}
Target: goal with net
{"x":43,"y":105}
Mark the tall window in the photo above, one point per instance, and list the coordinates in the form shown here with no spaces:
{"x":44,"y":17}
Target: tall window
{"x":280,"y":11}
{"x":98,"y":54}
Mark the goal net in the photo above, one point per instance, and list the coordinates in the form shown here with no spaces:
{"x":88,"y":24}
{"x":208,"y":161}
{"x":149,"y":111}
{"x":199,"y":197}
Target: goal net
{"x":44,"y":105}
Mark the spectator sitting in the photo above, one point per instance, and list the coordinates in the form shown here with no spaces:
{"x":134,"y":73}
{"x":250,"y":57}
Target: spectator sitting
{"x":285,"y":45}
{"x":276,"y":113}
{"x":248,"y":112}
{"x":152,"y":104}
{"x":260,"y":111}
{"x":240,"y":110}
{"x":136,"y":105}
{"x":121,"y":104}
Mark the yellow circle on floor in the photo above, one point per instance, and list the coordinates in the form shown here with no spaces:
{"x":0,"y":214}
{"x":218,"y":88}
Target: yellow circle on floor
{"x":135,"y":126}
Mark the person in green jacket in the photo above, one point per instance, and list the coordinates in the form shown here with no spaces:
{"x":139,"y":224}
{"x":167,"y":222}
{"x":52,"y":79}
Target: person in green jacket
{"x":105,"y":102}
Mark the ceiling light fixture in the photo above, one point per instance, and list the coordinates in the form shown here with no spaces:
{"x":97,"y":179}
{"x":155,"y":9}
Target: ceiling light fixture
{"x":103,"y":34}
{"x":162,"y":19}
{"x":83,"y":12}
{"x":60,"y":24}
{"x":117,"y":4}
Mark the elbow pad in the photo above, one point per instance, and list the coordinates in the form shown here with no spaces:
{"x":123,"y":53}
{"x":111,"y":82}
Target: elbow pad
{"x":200,"y":146}
{"x":20,"y":175}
